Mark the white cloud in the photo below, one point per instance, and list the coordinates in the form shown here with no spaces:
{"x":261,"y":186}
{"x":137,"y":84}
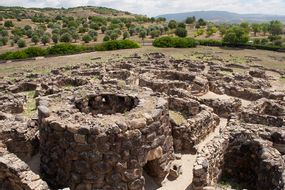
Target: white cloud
{"x":156,"y":7}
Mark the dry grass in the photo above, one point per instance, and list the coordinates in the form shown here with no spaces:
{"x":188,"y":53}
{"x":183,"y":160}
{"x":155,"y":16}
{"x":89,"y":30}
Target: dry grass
{"x":268,"y":59}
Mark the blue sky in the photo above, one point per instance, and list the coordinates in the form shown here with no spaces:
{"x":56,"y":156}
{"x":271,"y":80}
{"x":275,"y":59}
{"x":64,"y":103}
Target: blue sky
{"x":156,"y":7}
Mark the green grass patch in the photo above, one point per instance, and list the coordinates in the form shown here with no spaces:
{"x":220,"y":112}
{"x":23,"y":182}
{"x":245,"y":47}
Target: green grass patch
{"x":30,"y":106}
{"x":230,"y":184}
{"x":177,"y":117}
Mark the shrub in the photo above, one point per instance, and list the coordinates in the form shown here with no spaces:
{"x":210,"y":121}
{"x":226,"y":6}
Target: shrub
{"x":93,"y":33}
{"x":236,"y":35}
{"x":116,"y":44}
{"x":35,"y":51}
{"x":181,"y":32}
{"x":190,"y":20}
{"x":175,"y":42}
{"x":45,"y":39}
{"x":278,"y":42}
{"x":64,"y":48}
{"x":94,"y":26}
{"x":264,"y":41}
{"x":55,"y":38}
{"x":199,"y":32}
{"x":257,"y":41}
{"x":35,"y":39}
{"x":21,"y":43}
{"x":143,"y":34}
{"x":103,"y":29}
{"x":16,"y":55}
{"x":210,"y":42}
{"x":86,"y":38}
{"x":274,"y":38}
{"x":114,"y":36}
{"x":75,"y":36}
{"x":172,"y":24}
{"x":4,"y":40}
{"x":3,"y":32}
{"x":126,"y":35}
{"x":8,"y":23}
{"x":66,"y":37}
{"x":23,"y":54}
{"x":181,"y":25}
{"x":29,"y":33}
{"x":106,"y":38}
{"x":154,"y":33}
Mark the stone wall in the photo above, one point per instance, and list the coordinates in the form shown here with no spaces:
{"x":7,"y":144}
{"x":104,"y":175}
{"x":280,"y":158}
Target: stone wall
{"x":16,"y":174}
{"x":241,"y":155}
{"x":87,"y":151}
{"x":19,"y":136}
{"x":12,"y":103}
{"x":266,"y":112}
{"x":199,"y":122}
{"x":225,"y":107}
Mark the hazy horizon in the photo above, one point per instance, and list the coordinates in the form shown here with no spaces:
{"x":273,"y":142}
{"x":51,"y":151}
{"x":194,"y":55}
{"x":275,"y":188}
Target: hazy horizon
{"x":159,"y":7}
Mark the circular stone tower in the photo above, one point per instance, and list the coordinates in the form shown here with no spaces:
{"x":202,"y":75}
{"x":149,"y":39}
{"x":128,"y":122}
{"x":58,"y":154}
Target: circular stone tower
{"x":93,"y":138}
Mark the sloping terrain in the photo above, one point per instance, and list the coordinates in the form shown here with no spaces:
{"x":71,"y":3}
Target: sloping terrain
{"x":224,"y":16}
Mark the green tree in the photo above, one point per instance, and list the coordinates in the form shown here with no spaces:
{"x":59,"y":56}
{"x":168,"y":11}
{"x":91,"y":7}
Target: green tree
{"x":201,"y":22}
{"x":4,"y":40}
{"x":82,"y":30}
{"x":236,"y":35}
{"x":264,"y":28}
{"x":181,"y":25}
{"x":8,"y":24}
{"x":21,"y":43}
{"x":28,"y":27}
{"x":93,"y":33}
{"x":181,"y":32}
{"x":114,"y":36}
{"x":94,"y":26}
{"x":211,"y":30}
{"x":35,"y":39}
{"x":154,"y":33}
{"x":55,"y":38}
{"x":87,"y":38}
{"x":126,"y":35}
{"x":172,"y":24}
{"x":190,"y":20}
{"x":45,"y":39}
{"x":3,"y":32}
{"x":29,"y":33}
{"x":275,"y":27}
{"x":106,"y":38}
{"x":75,"y":36}
{"x":255,"y":28}
{"x":66,"y":37}
{"x":103,"y":29}
{"x":245,"y":25}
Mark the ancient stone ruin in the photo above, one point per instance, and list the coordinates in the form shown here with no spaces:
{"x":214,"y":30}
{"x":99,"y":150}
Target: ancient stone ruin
{"x":102,"y":138}
{"x":144,"y":122}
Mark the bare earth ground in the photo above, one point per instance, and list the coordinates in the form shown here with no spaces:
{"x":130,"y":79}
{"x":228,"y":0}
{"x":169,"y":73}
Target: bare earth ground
{"x":265,"y":58}
{"x":268,"y":59}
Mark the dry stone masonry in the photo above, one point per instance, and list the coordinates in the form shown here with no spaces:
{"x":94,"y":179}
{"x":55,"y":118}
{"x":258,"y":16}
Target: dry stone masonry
{"x":129,"y":123}
{"x":101,"y":138}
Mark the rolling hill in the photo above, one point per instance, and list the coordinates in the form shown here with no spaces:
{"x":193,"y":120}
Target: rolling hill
{"x":224,"y":16}
{"x":83,"y":11}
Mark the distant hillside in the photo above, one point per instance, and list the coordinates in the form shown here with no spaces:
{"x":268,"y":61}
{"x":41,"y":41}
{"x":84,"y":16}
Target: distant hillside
{"x":224,"y":16}
{"x":15,"y":12}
